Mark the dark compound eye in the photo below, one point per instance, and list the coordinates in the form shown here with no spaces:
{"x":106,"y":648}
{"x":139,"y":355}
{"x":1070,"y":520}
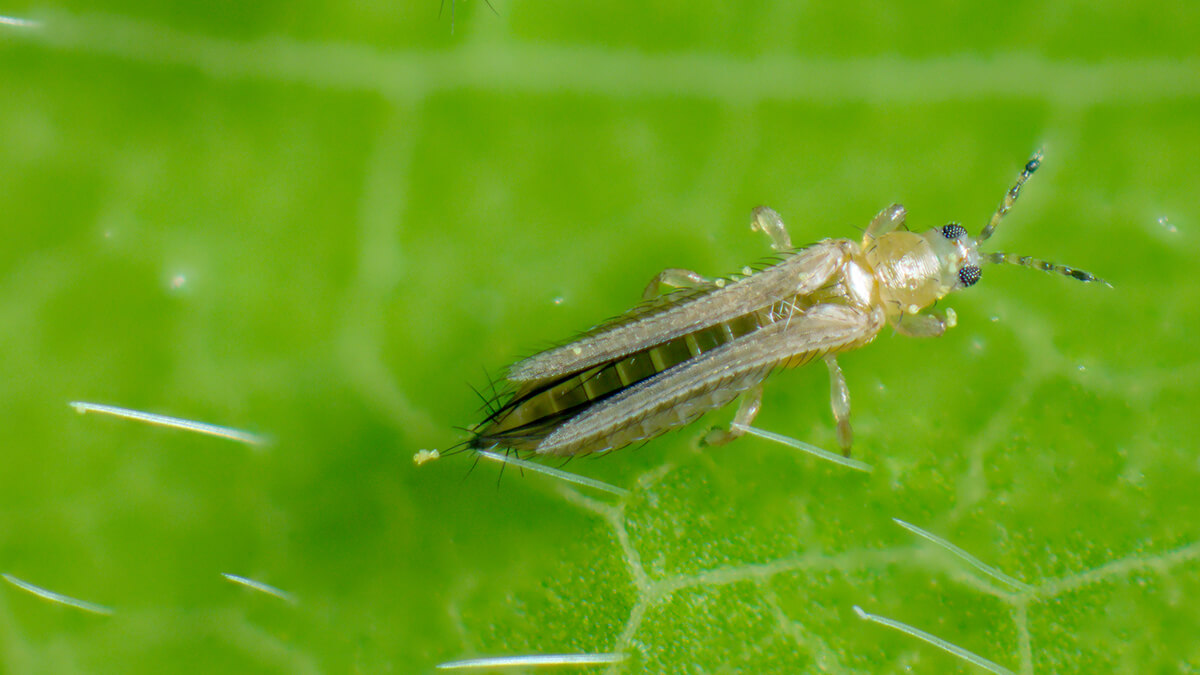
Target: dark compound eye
{"x":954,"y":231}
{"x":968,"y":275}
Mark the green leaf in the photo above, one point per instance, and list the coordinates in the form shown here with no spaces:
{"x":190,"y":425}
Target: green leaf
{"x":320,"y":222}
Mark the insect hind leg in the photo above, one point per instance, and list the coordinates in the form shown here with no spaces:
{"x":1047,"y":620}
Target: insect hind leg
{"x":675,"y":277}
{"x":746,"y":412}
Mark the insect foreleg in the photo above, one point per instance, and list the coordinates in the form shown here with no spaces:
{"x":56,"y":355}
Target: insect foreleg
{"x":764,"y":219}
{"x":746,"y":412}
{"x":886,"y":220}
{"x":924,"y":325}
{"x":839,"y":396}
{"x":675,"y":277}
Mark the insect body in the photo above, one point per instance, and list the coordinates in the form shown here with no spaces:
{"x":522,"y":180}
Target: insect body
{"x":675,"y":357}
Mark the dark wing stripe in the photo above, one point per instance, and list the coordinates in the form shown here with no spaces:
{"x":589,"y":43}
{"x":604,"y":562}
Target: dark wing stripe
{"x":822,"y":329}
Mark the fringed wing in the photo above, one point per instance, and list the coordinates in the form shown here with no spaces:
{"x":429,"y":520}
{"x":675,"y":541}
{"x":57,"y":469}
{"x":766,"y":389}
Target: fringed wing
{"x":666,"y":400}
{"x":799,"y":274}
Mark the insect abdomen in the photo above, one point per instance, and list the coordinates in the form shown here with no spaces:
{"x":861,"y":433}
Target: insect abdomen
{"x":538,"y":407}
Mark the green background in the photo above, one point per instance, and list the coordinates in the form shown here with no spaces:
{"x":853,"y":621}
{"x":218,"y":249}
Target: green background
{"x":322,"y":221}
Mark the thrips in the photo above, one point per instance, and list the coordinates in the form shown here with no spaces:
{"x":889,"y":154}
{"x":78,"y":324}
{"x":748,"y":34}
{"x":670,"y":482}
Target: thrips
{"x":676,"y":356}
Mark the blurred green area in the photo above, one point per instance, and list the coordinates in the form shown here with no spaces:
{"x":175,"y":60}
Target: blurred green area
{"x":322,"y":221}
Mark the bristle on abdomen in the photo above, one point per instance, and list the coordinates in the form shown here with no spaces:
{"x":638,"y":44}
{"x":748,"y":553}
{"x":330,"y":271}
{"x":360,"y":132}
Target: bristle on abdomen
{"x":535,"y":409}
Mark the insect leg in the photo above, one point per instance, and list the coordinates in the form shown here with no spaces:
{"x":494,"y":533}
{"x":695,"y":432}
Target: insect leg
{"x":675,"y":277}
{"x":764,"y":219}
{"x":746,"y":412}
{"x":840,"y":400}
{"x":924,"y":325}
{"x":886,"y":220}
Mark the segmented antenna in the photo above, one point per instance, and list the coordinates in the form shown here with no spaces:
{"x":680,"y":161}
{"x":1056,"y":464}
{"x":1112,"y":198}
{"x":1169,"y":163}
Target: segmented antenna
{"x":1006,"y":205}
{"x":1043,"y":265}
{"x":1010,"y":197}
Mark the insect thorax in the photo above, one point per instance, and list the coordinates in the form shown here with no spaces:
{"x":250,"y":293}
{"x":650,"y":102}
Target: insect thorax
{"x":911,"y":273}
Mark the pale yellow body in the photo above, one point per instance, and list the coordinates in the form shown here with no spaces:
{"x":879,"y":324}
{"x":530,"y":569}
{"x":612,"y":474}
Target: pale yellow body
{"x":677,"y":356}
